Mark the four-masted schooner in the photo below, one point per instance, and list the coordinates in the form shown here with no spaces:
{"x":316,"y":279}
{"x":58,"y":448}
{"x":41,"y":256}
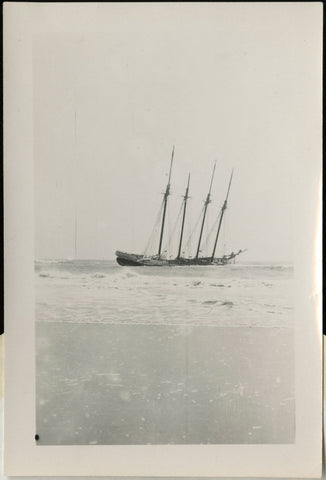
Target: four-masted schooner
{"x":137,"y":260}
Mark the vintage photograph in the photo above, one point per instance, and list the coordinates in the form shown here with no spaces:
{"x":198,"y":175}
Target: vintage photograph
{"x":163,"y":239}
{"x":164,"y":201}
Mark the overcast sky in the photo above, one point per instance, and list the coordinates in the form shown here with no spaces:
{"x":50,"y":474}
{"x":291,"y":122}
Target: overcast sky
{"x":234,"y":83}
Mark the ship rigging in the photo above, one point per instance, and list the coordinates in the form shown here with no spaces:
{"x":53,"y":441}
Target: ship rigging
{"x":159,"y":259}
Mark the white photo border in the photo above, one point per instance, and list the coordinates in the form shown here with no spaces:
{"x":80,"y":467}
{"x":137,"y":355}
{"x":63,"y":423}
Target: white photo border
{"x":22,"y":457}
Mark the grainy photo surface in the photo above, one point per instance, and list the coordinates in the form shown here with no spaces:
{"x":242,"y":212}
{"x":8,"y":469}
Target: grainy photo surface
{"x":163,"y":239}
{"x":188,"y":337}
{"x":164,"y":356}
{"x":165,"y":319}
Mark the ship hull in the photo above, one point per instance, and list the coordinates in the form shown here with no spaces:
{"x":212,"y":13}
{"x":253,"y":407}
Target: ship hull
{"x":125,"y":262}
{"x":133,"y":260}
{"x":129,"y":259}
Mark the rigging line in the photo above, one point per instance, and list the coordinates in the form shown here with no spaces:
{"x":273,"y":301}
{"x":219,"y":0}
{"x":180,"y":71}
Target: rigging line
{"x":188,"y":247}
{"x":214,"y":225}
{"x":225,"y":232}
{"x":150,"y":249}
{"x":151,"y":237}
{"x":207,"y":230}
{"x":157,"y":225}
{"x":165,"y":244}
{"x":165,"y":202}
{"x":174,"y":228}
{"x":195,"y":227}
{"x":207,"y":202}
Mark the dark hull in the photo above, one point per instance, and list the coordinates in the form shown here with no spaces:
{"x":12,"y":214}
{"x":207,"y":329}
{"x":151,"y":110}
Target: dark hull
{"x":129,"y":259}
{"x":133,"y":260}
{"x":124,"y":262}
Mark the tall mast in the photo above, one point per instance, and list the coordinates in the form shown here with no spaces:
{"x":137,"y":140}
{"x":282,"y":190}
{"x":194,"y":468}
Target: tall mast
{"x":207,"y":201}
{"x":221,"y":217}
{"x":185,"y":198}
{"x":165,"y":201}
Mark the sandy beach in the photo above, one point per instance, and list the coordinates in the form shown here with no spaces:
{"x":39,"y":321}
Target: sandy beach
{"x":124,"y":384}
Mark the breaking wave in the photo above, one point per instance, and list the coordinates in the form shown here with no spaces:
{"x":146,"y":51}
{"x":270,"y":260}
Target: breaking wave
{"x":103,"y":292}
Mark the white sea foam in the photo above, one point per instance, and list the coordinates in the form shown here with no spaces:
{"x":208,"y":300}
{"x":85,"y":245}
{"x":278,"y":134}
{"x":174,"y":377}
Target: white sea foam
{"x":95,"y":292}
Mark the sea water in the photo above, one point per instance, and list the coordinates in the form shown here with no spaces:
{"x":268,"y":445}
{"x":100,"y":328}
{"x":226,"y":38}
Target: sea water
{"x":164,"y":355}
{"x":104,"y":292}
